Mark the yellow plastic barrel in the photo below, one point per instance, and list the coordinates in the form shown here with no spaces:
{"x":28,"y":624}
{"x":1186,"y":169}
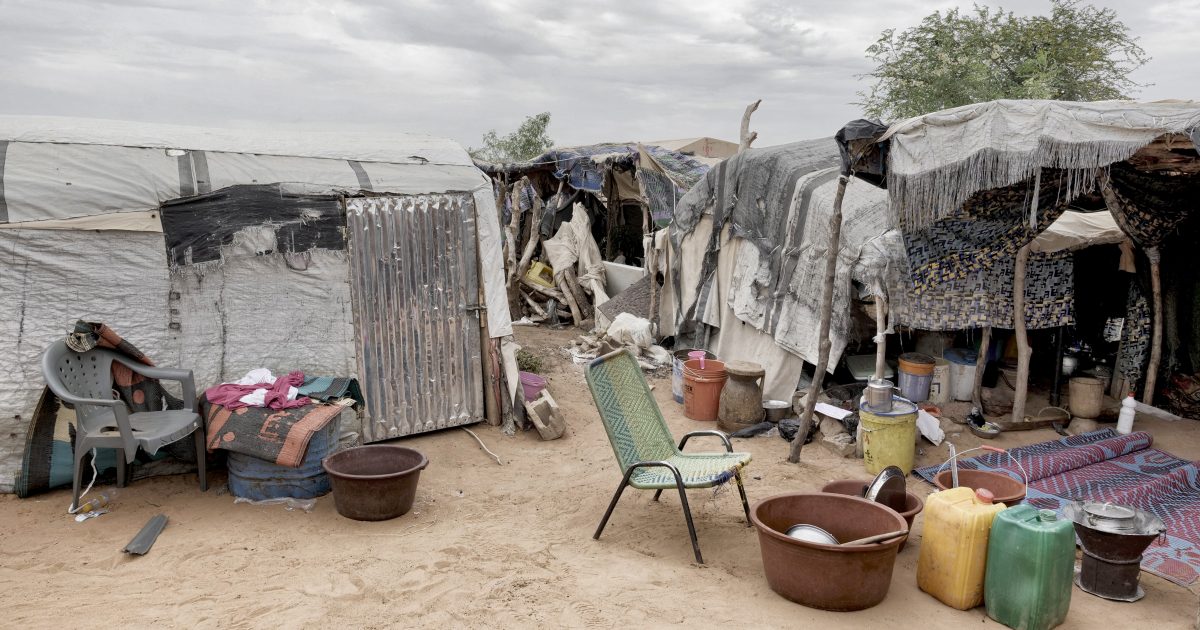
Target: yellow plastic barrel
{"x":889,"y":438}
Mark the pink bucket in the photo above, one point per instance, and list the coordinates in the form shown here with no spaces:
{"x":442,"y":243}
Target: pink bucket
{"x":532,"y":384}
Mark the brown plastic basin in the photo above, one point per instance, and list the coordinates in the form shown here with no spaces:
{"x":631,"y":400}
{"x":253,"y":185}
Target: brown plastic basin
{"x":1005,"y":489}
{"x":912,"y":503}
{"x":829,"y":577}
{"x":376,"y":482}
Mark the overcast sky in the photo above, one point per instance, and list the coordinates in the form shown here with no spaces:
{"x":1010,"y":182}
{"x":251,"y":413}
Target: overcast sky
{"x":607,"y":71}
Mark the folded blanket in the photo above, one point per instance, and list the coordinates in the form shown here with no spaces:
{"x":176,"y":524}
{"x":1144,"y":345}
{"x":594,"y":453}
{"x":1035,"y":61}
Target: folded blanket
{"x":275,"y":435}
{"x":332,"y":388}
{"x":274,"y":393}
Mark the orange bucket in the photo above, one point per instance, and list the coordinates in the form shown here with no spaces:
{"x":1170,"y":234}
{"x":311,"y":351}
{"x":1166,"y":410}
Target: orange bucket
{"x":702,"y":388}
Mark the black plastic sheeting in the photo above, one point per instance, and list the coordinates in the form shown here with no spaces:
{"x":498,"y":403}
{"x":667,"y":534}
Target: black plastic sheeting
{"x":196,"y":228}
{"x":861,"y":152}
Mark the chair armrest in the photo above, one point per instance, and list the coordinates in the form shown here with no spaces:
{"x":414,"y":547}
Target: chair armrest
{"x":654,"y":464}
{"x":184,"y":377}
{"x":720,"y":434}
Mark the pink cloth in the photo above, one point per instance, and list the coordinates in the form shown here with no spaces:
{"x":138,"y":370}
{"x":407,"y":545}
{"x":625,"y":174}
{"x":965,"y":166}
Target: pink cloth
{"x":229,"y":395}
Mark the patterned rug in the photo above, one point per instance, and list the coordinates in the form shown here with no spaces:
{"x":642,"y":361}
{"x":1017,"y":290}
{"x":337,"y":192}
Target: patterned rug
{"x":1123,"y":469}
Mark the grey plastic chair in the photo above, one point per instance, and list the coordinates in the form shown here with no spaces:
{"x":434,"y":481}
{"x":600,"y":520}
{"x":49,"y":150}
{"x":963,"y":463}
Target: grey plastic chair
{"x":84,"y":379}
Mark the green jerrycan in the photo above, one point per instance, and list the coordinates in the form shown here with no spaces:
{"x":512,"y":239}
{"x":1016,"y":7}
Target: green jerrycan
{"x":1030,"y":564}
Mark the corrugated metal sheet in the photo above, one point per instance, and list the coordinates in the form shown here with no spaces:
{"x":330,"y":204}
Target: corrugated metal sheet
{"x":415,"y":294}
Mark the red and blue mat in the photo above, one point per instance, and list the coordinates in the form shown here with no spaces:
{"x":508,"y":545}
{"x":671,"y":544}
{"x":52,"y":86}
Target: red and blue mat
{"x":1123,"y":469}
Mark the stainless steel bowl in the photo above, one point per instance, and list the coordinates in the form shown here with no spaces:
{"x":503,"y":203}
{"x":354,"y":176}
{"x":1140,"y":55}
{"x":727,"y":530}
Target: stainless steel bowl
{"x":776,"y":410}
{"x":811,"y":533}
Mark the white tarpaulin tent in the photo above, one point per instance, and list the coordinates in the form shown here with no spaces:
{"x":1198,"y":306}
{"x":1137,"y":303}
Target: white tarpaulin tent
{"x":214,"y":250}
{"x":1077,"y":230}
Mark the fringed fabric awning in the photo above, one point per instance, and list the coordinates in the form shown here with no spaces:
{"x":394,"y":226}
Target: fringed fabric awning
{"x":937,"y":161}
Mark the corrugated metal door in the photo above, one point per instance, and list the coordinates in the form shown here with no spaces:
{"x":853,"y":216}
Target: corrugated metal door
{"x":415,"y":293}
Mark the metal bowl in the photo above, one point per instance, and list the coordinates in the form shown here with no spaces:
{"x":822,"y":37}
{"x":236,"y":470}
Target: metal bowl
{"x":776,"y":410}
{"x":811,"y":533}
{"x":988,"y":431}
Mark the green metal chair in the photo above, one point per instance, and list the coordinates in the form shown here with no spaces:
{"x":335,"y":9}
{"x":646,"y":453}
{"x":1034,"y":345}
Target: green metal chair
{"x":644,"y":446}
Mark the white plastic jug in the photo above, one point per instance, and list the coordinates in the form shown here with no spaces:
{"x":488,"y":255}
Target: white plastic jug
{"x":1128,"y":411}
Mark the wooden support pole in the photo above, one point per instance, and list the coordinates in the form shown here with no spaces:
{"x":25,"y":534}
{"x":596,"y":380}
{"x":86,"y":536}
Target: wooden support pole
{"x":1156,"y":340}
{"x":576,"y":291}
{"x":980,"y":365}
{"x":814,"y":390}
{"x":545,"y":291}
{"x":880,"y":336}
{"x":576,"y":314}
{"x":1023,"y":350}
{"x":747,"y":137}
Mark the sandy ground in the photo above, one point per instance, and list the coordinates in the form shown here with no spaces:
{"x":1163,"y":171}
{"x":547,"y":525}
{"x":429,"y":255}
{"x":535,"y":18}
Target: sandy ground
{"x":486,"y":545}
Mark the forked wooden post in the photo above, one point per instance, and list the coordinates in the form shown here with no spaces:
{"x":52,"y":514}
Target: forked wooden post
{"x":814,"y":390}
{"x":1156,"y":340}
{"x":981,"y":364}
{"x":1023,"y":350}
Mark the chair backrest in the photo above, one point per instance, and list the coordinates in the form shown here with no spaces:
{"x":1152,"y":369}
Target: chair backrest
{"x":80,"y":374}
{"x":631,"y":417}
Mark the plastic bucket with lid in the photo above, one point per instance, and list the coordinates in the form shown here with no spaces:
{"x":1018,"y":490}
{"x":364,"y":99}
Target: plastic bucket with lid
{"x":679,"y":357}
{"x":702,"y":388}
{"x":916,"y":374}
{"x":962,"y":372}
{"x":889,"y":438}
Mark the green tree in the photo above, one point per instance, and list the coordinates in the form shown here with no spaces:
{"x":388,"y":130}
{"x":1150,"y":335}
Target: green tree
{"x":527,"y":142}
{"x":1077,"y":53}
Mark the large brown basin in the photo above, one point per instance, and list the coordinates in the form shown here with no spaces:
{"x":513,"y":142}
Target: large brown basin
{"x":1004,"y":489}
{"x":829,"y":577}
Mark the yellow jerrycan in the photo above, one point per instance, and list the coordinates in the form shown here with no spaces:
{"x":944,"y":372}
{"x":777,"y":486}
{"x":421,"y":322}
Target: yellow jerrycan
{"x":954,"y":546}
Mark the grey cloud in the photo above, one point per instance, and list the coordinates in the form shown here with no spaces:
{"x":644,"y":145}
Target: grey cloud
{"x":618,"y":70}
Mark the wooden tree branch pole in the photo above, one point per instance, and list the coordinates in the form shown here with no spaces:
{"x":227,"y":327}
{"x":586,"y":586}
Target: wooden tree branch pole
{"x":981,"y":364}
{"x":1116,"y":206}
{"x":746,"y":136}
{"x":814,"y":390}
{"x":880,"y":336}
{"x":1156,"y":340}
{"x":1023,"y":350}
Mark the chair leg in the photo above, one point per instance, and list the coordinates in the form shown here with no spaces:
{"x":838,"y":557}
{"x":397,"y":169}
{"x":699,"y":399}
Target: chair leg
{"x":122,"y":468}
{"x":201,"y":464}
{"x":742,"y":490}
{"x":77,"y":475}
{"x":612,"y":504}
{"x":657,"y":493}
{"x":687,"y":513}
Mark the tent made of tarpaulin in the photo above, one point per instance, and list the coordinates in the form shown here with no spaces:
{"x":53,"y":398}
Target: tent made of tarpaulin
{"x":707,"y":150}
{"x":974,"y":185}
{"x":747,"y":251}
{"x":616,"y":172}
{"x":227,"y":250}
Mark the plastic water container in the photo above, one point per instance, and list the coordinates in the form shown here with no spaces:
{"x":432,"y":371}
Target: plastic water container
{"x":940,"y":387}
{"x":1031,"y":561}
{"x":1128,"y":412}
{"x":954,"y":547}
{"x":962,"y":372}
{"x":916,"y":375}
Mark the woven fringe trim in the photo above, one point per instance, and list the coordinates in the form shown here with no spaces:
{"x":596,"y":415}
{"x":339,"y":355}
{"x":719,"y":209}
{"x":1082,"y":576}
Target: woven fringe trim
{"x":919,"y":199}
